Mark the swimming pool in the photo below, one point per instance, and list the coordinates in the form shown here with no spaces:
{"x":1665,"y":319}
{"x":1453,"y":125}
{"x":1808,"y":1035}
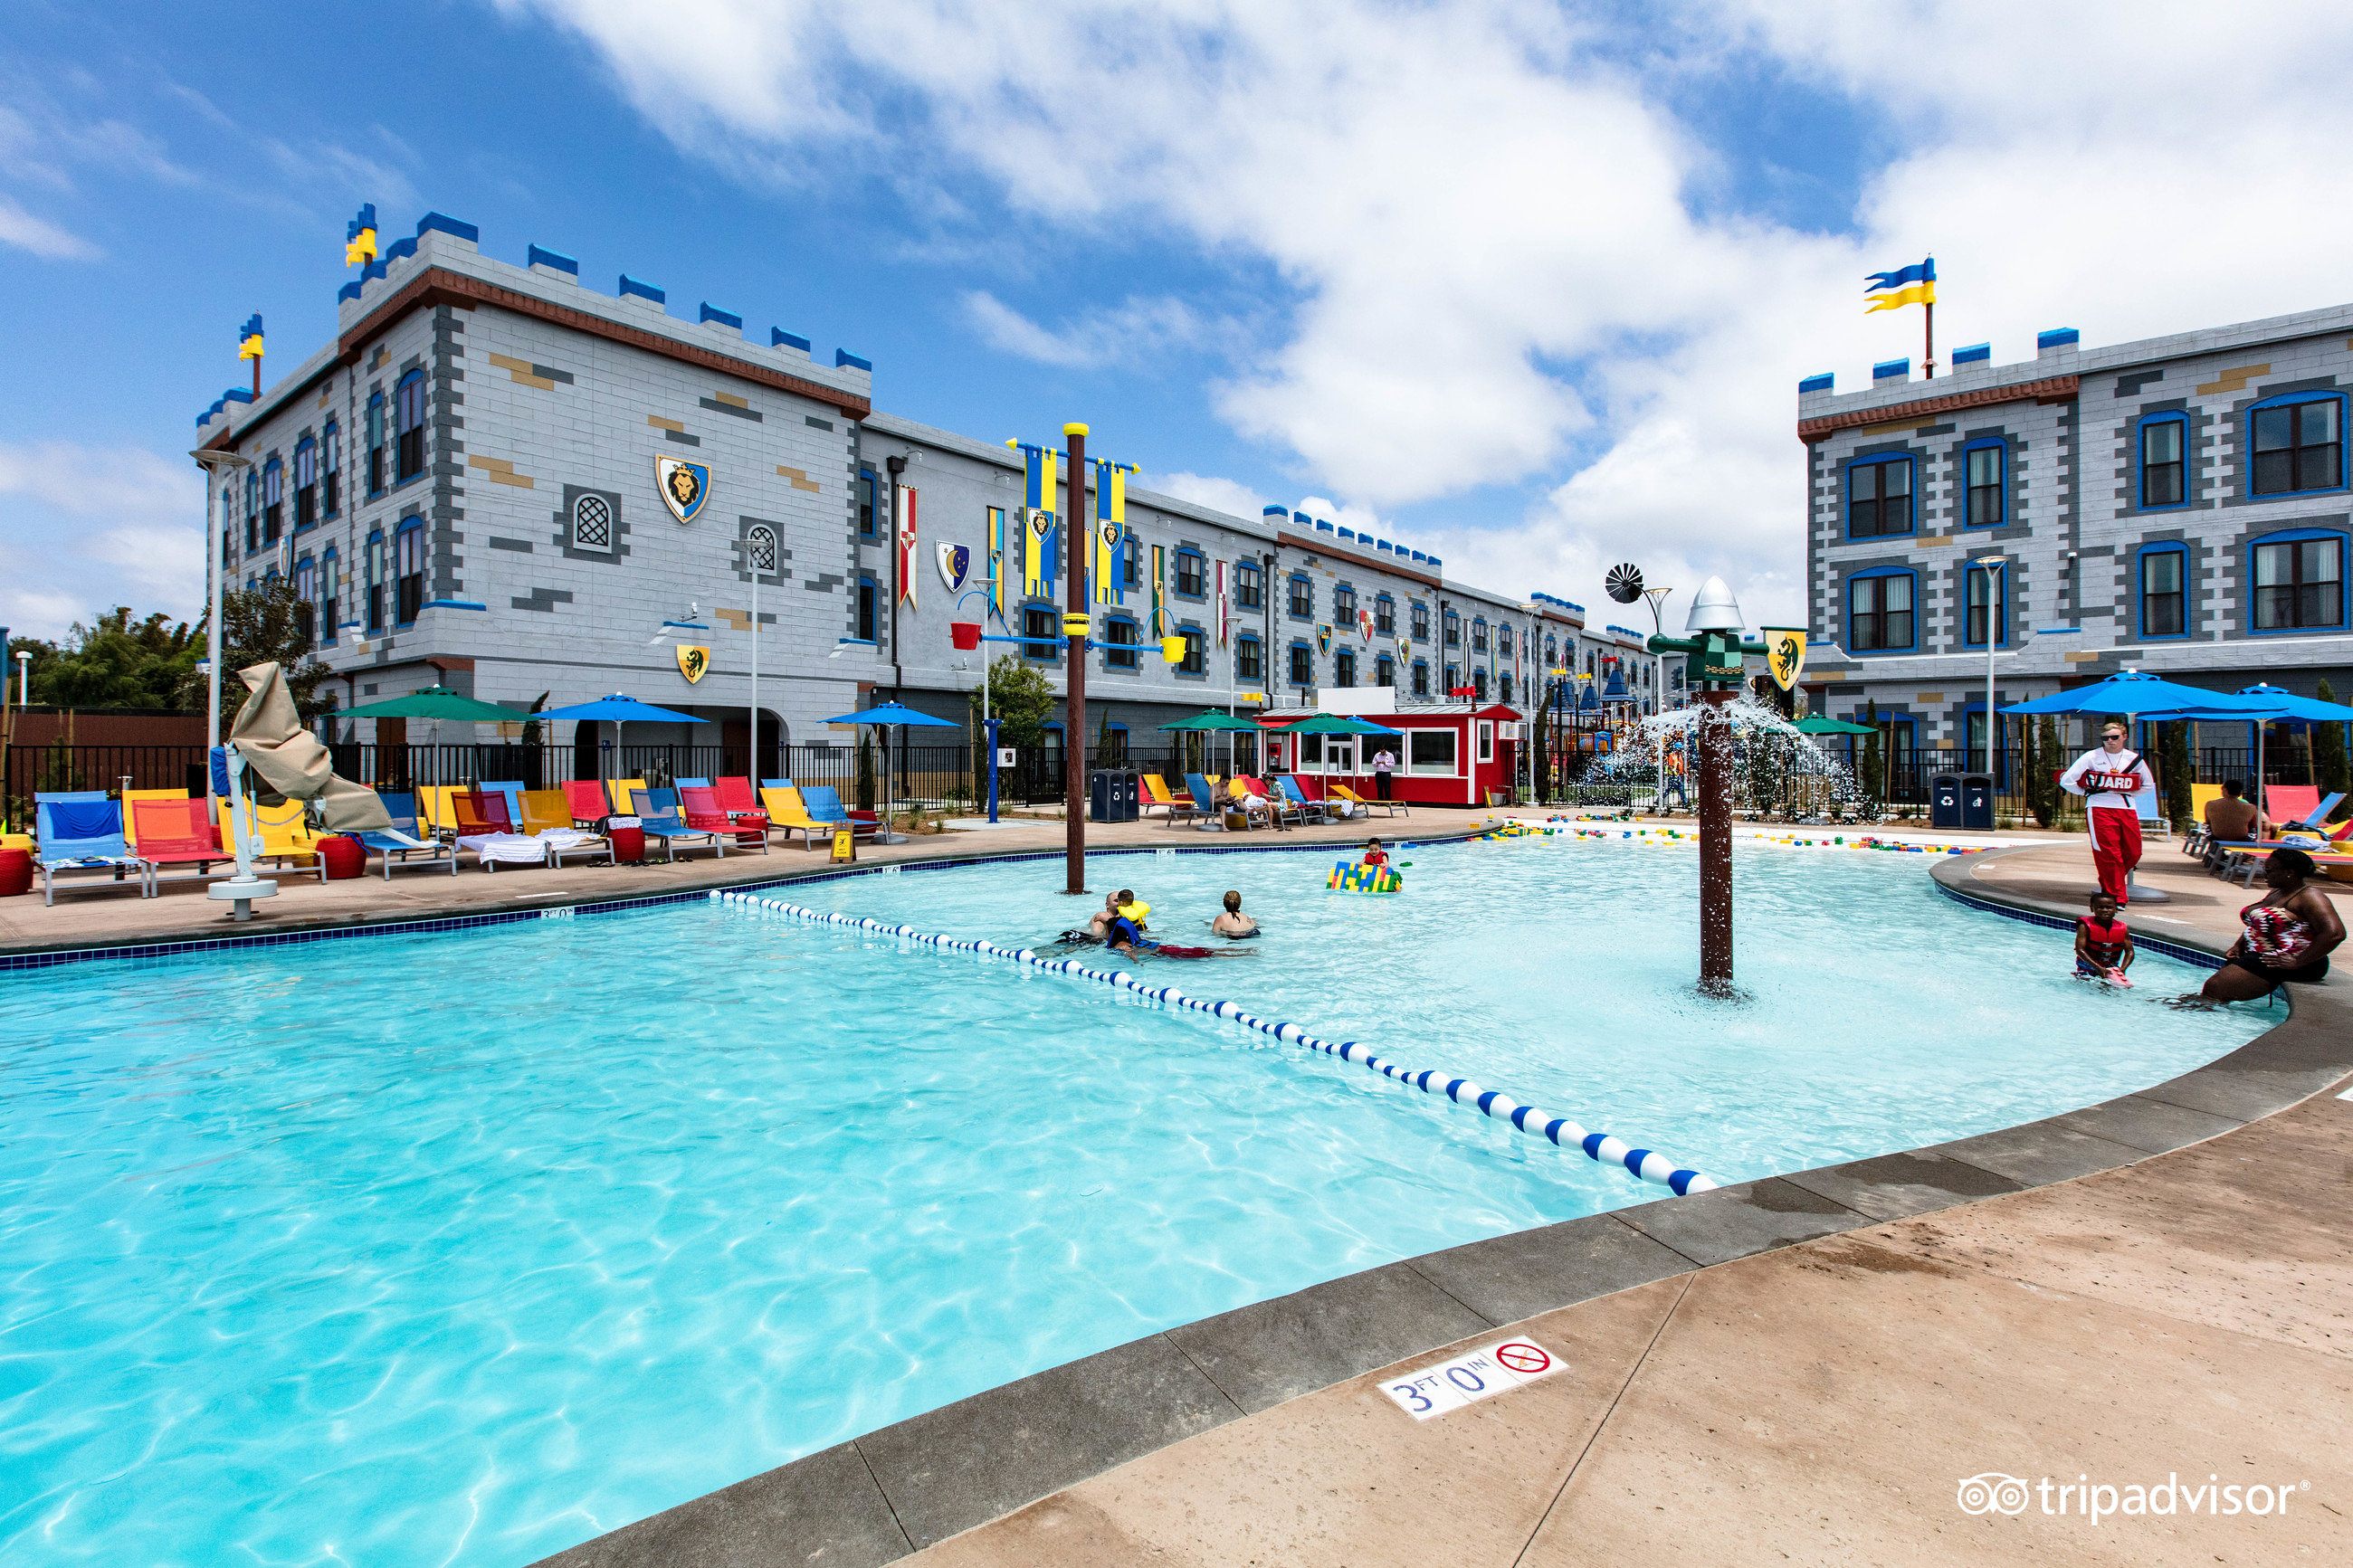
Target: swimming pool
{"x":466,"y":1248}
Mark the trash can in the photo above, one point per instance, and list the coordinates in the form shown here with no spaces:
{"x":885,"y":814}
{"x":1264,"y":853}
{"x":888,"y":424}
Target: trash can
{"x":1976,"y":801}
{"x":1944,"y":801}
{"x":1112,"y":795}
{"x":342,"y":857}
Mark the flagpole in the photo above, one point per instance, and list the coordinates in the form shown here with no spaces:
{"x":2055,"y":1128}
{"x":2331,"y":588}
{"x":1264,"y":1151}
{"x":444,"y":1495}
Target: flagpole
{"x":1930,"y":359}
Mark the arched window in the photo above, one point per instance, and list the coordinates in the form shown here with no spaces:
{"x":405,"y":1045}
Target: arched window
{"x":306,"y":484}
{"x":2164,"y":467}
{"x":330,"y":594}
{"x":1344,"y":669}
{"x":408,"y":571}
{"x":306,"y":599}
{"x":1303,"y":597}
{"x":1344,"y":602}
{"x":375,"y":438}
{"x":273,"y":501}
{"x":592,"y":523}
{"x":1988,"y":601}
{"x":1250,"y":660}
{"x":759,"y":549}
{"x":331,"y":463}
{"x":1302,"y":665}
{"x":1385,"y":671}
{"x":409,"y":429}
{"x":1453,"y":632}
{"x":1478,"y":633}
{"x":1422,"y":678}
{"x":1419,"y":620}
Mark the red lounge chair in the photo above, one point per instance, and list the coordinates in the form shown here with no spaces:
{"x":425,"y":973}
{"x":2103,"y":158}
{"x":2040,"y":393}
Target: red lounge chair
{"x":177,"y":833}
{"x":587,"y":799}
{"x":704,"y":814}
{"x":736,"y":799}
{"x":479,"y":812}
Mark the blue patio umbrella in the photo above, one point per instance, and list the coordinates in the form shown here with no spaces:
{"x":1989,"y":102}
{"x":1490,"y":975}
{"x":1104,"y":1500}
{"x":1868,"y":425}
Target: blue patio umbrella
{"x":887,"y":714}
{"x":2278,"y":703}
{"x":2145,"y":696}
{"x":620,"y":710}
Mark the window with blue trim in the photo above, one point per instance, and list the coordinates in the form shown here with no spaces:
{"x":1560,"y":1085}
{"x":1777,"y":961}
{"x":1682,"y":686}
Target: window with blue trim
{"x":2164,"y":602}
{"x":409,"y":431}
{"x":1422,"y":678}
{"x":331,"y":592}
{"x":1192,"y":576}
{"x":1250,"y":660}
{"x":2299,"y":581}
{"x":2164,"y":476}
{"x":1385,"y":617}
{"x":1344,"y":602}
{"x":2298,"y":444}
{"x":1986,"y":597}
{"x":1196,"y":650}
{"x":1121,"y":634}
{"x":1479,"y":684}
{"x":1478,"y":633}
{"x":252,"y":512}
{"x":1302,"y":665}
{"x":1504,"y":682}
{"x":1246,"y":595}
{"x":865,"y":503}
{"x":1130,"y":562}
{"x":1984,"y":469}
{"x":375,"y":434}
{"x":1453,"y":632}
{"x":1385,"y":671}
{"x":1421,"y":621}
{"x":1880,"y":617}
{"x":1453,"y":680}
{"x":408,"y":571}
{"x":306,"y":600}
{"x":273,"y":501}
{"x":1344,"y":669}
{"x":1879,"y":497}
{"x":306,"y":484}
{"x":375,"y":580}
{"x":331,"y":460}
{"x":1303,"y":597}
{"x":870,"y":601}
{"x":1042,"y":625}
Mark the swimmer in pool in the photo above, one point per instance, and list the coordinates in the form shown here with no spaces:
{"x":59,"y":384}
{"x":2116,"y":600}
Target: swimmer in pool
{"x":1374,"y":853}
{"x":1233,"y":922}
{"x":1125,"y":937}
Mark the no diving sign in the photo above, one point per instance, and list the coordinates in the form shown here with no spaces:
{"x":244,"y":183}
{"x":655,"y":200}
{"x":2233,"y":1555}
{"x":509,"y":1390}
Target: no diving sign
{"x":1466,"y":1379}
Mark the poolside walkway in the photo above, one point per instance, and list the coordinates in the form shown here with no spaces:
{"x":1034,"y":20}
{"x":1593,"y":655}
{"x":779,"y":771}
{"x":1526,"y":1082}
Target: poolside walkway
{"x":181,"y":912}
{"x":2188,"y":1316}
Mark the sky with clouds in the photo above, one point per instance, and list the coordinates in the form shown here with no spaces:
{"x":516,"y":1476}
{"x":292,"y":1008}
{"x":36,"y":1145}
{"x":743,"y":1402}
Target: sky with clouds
{"x":1526,"y":285}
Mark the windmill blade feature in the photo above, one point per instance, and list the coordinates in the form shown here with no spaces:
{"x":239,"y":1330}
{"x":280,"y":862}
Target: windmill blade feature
{"x":1625,"y":583}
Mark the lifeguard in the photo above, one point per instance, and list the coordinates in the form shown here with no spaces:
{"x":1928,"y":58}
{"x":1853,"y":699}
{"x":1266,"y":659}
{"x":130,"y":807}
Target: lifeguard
{"x":2109,"y":777}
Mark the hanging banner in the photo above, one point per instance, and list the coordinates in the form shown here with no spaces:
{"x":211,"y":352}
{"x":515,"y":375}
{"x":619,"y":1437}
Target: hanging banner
{"x":906,"y":499}
{"x":1785,"y":655}
{"x":1105,"y":567}
{"x":997,"y":565}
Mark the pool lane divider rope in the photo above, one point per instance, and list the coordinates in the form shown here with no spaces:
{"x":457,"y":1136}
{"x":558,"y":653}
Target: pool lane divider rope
{"x":1600,"y":1147}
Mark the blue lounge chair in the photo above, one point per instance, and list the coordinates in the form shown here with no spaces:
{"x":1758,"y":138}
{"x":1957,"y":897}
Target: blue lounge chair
{"x":1205,"y":795}
{"x":689,"y":783}
{"x":513,"y":792}
{"x":398,"y":842}
{"x":657,"y":814}
{"x":1288,"y":785}
{"x":824,"y":804}
{"x":82,"y":830}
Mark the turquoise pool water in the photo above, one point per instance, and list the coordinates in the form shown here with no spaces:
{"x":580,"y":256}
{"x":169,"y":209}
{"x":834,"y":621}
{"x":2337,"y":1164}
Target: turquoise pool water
{"x":464,"y":1248}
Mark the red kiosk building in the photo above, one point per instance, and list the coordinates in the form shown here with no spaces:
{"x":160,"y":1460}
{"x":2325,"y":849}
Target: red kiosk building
{"x":1451,"y":753}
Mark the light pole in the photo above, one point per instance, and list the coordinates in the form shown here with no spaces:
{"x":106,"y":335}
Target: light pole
{"x":1989,"y":566}
{"x":214,"y":463}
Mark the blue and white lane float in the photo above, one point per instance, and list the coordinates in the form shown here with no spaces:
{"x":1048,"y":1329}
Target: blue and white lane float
{"x":1600,"y":1147}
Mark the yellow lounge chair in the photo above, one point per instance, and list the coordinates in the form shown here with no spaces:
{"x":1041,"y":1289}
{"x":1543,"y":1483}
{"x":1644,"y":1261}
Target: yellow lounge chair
{"x":623,"y":791}
{"x":285,"y":836}
{"x":786,"y":813}
{"x":1345,"y":792}
{"x":434,"y":816}
{"x":543,"y":808}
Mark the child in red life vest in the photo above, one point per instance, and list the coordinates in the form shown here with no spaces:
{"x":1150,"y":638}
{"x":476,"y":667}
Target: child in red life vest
{"x":2104,"y":946}
{"x":1374,"y":853}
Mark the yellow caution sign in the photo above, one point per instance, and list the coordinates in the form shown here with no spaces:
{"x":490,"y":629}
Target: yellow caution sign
{"x":845,"y":844}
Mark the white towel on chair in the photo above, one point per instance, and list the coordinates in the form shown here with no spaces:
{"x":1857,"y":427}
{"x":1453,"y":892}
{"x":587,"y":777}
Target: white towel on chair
{"x":507,"y":848}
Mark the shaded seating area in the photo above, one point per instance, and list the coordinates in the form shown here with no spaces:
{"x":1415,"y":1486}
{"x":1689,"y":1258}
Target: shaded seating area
{"x":2240,"y":860}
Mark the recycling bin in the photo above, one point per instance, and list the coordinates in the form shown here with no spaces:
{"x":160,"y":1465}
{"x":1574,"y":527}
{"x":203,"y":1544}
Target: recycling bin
{"x":1944,"y":801}
{"x":1977,"y":802}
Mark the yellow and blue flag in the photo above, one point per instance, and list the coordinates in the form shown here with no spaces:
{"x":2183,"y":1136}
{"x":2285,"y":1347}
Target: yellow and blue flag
{"x":1913,"y":285}
{"x":248,"y":338}
{"x":359,"y":238}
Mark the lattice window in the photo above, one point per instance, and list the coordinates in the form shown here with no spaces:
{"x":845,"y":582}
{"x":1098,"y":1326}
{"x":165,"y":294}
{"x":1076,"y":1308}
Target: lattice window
{"x":760,"y":550}
{"x":592,"y":524}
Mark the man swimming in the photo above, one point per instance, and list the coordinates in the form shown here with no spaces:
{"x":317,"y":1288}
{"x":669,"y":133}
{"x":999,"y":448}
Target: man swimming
{"x":1233,"y":922}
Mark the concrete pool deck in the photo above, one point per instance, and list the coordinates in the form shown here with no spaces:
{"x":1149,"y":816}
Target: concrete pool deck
{"x":1803,"y":1368}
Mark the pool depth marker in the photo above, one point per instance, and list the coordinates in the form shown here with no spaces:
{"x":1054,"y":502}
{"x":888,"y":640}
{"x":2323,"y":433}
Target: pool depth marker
{"x":1600,"y":1147}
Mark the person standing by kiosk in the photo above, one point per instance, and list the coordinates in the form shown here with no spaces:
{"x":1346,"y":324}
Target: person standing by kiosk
{"x":1384,"y":765}
{"x":2112,"y":780}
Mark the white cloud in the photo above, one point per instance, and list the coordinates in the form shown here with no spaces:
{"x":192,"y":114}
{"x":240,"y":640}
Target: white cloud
{"x":84,"y":527}
{"x":1482,"y":216}
{"x":1125,"y":334}
{"x":44,"y":239}
{"x":1229,"y":496}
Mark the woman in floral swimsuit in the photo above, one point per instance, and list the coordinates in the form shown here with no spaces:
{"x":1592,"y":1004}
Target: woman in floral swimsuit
{"x":2290,"y":934}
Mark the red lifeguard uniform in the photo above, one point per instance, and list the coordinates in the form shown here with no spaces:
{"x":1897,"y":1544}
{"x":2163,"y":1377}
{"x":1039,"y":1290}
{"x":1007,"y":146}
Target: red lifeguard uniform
{"x":2110,"y":781}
